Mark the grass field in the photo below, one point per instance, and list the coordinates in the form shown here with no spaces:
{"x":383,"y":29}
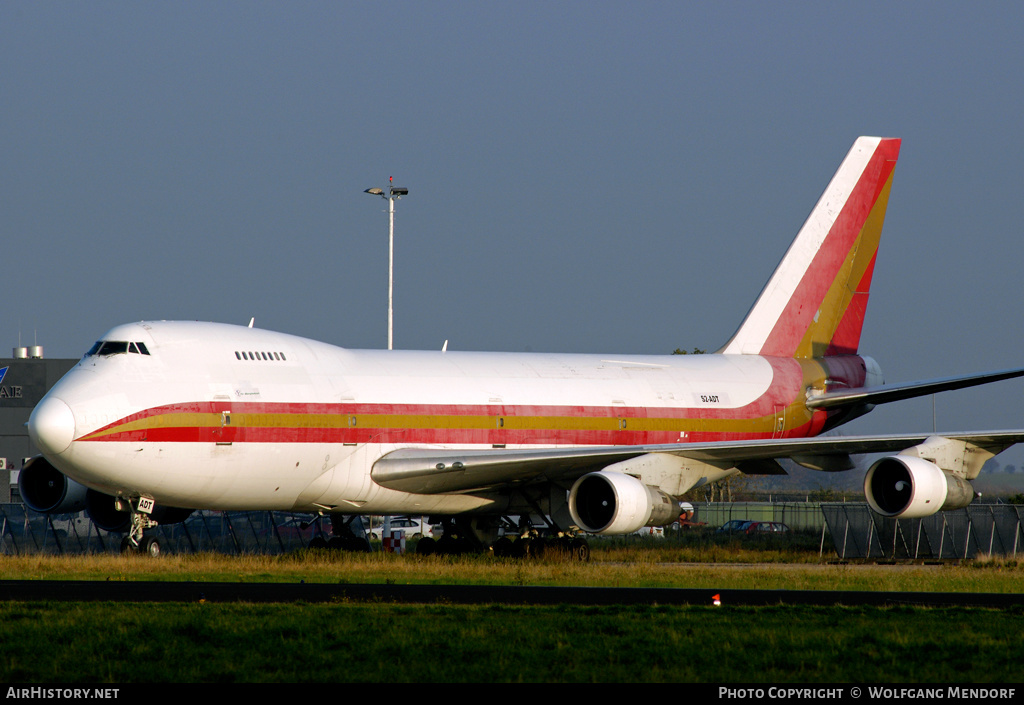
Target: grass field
{"x":377,"y":642}
{"x":619,"y":563}
{"x":496,"y":643}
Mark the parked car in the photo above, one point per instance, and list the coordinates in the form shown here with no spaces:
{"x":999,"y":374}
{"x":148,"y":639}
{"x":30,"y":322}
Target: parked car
{"x":761,"y":528}
{"x":734,"y":527}
{"x":655,"y":531}
{"x":412,"y":527}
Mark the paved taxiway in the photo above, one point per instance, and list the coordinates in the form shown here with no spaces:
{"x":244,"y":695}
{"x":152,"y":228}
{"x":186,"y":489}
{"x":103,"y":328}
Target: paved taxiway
{"x":152,"y":591}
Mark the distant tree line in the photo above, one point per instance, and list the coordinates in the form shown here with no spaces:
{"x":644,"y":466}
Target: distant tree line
{"x":992,"y":465}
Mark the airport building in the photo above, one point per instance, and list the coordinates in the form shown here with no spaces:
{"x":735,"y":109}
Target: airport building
{"x":24,"y":379}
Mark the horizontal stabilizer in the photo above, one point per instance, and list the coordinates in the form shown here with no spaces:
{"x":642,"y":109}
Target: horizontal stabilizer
{"x":887,"y":393}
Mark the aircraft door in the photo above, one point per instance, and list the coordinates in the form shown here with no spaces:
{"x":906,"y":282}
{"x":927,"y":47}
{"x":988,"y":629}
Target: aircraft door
{"x":780,"y":421}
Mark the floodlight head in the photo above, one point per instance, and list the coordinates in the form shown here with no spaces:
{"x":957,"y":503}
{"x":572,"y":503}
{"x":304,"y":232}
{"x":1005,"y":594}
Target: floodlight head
{"x":374,"y":191}
{"x":399,"y":191}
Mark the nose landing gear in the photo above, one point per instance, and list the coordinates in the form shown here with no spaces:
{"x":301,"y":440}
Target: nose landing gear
{"x":135,"y":540}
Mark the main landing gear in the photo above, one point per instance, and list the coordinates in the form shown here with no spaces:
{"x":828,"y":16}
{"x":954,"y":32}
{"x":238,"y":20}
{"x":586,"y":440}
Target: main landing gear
{"x":457,"y":538}
{"x":533,"y":545}
{"x":346,"y":535}
{"x":519,"y":541}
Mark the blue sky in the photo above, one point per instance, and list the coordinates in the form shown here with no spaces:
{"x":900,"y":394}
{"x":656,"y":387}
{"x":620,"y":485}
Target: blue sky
{"x":602,"y":177}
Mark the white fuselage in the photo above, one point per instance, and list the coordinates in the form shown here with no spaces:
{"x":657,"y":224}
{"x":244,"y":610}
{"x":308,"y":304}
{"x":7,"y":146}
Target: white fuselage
{"x":226,"y":417}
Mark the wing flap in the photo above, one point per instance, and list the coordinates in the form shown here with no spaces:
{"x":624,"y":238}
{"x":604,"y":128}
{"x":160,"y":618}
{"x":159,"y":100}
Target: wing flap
{"x":427,"y":471}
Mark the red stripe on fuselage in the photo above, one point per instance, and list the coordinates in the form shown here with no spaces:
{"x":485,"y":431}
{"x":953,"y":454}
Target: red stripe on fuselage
{"x":330,"y":423}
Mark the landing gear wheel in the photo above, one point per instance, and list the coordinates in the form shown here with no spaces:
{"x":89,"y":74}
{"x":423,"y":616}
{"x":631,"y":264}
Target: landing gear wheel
{"x":580,"y":550}
{"x":426,"y":547}
{"x":447,"y":545}
{"x":126,"y":545}
{"x":317,"y":542}
{"x":554,"y":548}
{"x":150,"y":546}
{"x":503,"y":547}
{"x":522,"y":548}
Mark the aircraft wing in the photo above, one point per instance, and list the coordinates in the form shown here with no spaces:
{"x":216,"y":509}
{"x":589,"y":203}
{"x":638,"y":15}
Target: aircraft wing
{"x":896,"y":392}
{"x":437,"y":471}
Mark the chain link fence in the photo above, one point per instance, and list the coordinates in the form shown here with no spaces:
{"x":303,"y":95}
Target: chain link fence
{"x":855,"y":531}
{"x":23,"y":532}
{"x":978,"y":530}
{"x":798,"y":516}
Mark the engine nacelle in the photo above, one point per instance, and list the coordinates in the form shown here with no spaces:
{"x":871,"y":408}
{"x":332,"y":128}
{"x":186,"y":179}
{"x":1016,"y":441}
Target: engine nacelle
{"x":106,"y":512}
{"x":47,"y":490}
{"x":615,"y":503}
{"x":909,"y":487}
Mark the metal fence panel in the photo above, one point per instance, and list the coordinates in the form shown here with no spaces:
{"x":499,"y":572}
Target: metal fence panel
{"x":980,"y":529}
{"x":795,"y":515}
{"x":856,"y":531}
{"x":23,"y":531}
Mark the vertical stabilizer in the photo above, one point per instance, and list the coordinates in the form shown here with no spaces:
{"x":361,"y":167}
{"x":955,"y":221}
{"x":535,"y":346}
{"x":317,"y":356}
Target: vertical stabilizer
{"x":814,"y":303}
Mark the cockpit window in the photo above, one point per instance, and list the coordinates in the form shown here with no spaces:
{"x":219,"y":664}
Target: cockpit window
{"x":114,"y":347}
{"x":104,"y":348}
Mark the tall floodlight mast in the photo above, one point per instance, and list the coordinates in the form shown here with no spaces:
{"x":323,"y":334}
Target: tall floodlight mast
{"x":393,"y":194}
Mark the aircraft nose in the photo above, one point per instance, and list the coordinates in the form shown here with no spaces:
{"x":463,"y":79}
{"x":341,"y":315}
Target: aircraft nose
{"x":52,"y":426}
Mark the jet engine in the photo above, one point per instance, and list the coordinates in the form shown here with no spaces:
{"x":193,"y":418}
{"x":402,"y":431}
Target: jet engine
{"x":105,"y":512}
{"x":108,"y":513}
{"x":47,"y":490}
{"x":610,"y":502}
{"x":909,"y":487}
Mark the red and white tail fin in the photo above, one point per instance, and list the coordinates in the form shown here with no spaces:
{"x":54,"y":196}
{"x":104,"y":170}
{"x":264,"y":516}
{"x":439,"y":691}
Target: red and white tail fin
{"x":813,"y":306}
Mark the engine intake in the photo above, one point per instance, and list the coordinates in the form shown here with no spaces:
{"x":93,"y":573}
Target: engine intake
{"x":46,"y":489}
{"x":909,"y":487}
{"x":614,"y":503}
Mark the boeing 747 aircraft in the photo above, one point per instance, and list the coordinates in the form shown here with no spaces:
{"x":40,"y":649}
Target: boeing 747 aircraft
{"x":162,"y":418}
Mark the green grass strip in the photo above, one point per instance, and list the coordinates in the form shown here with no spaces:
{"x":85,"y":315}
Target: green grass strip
{"x":348,"y":642}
